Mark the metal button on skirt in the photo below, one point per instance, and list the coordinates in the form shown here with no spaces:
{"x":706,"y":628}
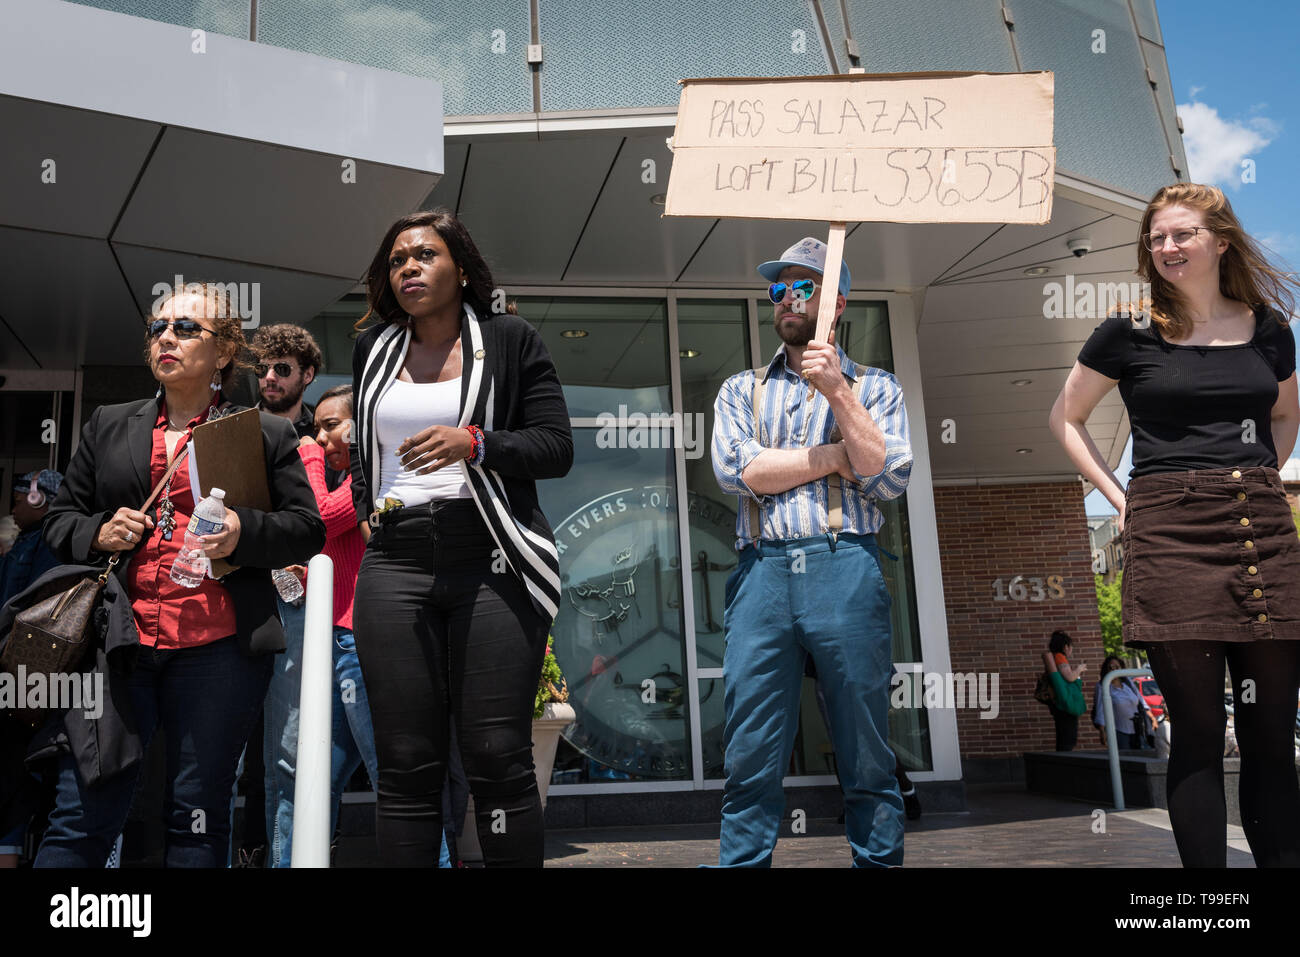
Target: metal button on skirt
{"x":1211,"y":554}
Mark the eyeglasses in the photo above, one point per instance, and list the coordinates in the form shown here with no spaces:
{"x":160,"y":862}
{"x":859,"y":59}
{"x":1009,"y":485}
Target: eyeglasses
{"x":282,"y":369}
{"x":181,"y":328}
{"x":800,"y":289}
{"x":1181,"y":237}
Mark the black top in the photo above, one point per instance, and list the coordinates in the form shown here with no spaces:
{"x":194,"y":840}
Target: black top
{"x":1195,"y":407}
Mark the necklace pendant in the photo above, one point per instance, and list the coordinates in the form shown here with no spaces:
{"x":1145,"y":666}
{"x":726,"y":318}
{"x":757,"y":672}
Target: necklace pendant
{"x":167,"y":521}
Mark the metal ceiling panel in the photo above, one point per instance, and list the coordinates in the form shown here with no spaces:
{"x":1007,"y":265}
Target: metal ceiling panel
{"x":67,"y":170}
{"x":281,"y":295}
{"x":627,"y":238}
{"x":903,"y":255}
{"x":447,"y":192}
{"x":1113,"y":239}
{"x":64,"y":298}
{"x":525,"y":201}
{"x":266,"y":204}
{"x":1011,"y":238}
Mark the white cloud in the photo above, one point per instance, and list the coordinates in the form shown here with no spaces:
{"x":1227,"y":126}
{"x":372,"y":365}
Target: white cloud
{"x":1216,"y":146}
{"x":1284,"y":244}
{"x":1194,"y":90}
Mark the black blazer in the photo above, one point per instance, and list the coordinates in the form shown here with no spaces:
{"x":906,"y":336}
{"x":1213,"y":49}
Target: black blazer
{"x":510,"y":390}
{"x":110,"y":469}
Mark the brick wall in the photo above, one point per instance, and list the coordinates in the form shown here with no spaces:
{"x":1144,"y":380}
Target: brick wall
{"x":998,"y":532}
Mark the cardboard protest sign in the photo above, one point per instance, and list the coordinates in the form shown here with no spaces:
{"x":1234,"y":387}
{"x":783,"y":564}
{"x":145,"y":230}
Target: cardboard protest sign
{"x":905,"y":148}
{"x":859,"y":147}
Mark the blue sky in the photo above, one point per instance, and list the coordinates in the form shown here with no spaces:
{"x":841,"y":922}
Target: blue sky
{"x":1234,"y":73}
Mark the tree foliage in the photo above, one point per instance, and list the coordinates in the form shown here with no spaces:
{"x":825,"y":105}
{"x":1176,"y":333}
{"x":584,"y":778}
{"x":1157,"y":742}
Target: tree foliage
{"x":1108,"y":611}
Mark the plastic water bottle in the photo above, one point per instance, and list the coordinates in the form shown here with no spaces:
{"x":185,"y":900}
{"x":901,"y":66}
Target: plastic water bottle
{"x":287,"y":584}
{"x":209,"y":518}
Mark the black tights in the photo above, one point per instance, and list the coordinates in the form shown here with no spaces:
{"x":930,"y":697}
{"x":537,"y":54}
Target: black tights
{"x":1190,"y":674}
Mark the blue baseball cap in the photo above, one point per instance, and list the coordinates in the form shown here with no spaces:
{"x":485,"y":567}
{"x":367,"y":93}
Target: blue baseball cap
{"x":808,"y":252}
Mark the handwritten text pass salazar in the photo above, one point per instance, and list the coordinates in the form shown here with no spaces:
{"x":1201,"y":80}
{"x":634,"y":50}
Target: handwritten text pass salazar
{"x":890,"y":176}
{"x":929,"y":150}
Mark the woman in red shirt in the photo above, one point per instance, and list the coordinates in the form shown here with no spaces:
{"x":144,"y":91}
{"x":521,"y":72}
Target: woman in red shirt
{"x":204,"y":661}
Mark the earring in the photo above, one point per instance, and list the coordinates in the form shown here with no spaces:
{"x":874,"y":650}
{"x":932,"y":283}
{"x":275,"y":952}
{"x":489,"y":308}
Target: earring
{"x":158,"y":394}
{"x":215,"y":384}
{"x":464,"y":282}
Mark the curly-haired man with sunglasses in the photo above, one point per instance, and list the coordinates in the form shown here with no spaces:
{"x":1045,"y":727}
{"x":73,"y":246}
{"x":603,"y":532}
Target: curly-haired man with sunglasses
{"x":288,"y":359}
{"x":808,"y":467}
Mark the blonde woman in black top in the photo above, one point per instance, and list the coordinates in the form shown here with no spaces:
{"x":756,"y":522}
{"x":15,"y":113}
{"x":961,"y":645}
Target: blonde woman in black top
{"x":1212,"y":561}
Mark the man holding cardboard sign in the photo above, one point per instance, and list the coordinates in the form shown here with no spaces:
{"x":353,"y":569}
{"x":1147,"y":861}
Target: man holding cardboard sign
{"x":809,"y":466}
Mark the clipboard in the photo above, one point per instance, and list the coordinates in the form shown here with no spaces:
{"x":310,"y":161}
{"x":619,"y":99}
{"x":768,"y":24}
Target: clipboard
{"x":227,"y":453}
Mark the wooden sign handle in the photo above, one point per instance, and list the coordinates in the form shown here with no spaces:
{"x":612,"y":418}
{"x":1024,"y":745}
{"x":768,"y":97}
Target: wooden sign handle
{"x":830,"y":281}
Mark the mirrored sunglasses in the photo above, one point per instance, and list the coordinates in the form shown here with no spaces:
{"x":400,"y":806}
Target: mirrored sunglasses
{"x":799,"y":289}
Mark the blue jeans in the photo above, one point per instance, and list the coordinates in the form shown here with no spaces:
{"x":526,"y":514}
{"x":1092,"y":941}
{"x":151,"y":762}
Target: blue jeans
{"x":783,"y":601}
{"x":352,"y":740}
{"x":207,"y":699}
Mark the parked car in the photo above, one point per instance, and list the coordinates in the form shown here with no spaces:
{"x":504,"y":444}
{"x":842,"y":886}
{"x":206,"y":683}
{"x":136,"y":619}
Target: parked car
{"x":1150,"y":692}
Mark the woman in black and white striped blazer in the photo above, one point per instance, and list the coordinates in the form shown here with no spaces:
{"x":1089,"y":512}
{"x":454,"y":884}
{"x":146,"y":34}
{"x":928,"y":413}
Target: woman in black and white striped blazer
{"x":458,"y":413}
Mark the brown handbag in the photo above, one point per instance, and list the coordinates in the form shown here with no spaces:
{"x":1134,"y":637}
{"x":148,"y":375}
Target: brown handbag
{"x":50,"y":637}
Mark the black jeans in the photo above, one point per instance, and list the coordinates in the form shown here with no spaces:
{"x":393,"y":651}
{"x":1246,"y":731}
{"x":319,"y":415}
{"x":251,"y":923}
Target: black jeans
{"x":444,"y":627}
{"x":1190,"y":674}
{"x":1067,"y":728}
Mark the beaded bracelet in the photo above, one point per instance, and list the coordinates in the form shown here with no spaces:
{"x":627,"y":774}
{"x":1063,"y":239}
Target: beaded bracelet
{"x":476,"y":449}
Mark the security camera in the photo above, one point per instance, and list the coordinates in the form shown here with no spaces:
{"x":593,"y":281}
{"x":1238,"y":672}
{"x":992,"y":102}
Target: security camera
{"x":1080,"y":247}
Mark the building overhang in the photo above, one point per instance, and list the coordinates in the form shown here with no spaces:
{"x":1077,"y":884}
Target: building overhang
{"x":138,"y":151}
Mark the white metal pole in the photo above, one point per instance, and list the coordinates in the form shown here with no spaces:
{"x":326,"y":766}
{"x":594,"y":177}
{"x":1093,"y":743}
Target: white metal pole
{"x":1112,"y":741}
{"x":311,"y":786}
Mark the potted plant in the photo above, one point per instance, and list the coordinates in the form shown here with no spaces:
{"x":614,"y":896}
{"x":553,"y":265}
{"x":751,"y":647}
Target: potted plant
{"x":551,"y":715}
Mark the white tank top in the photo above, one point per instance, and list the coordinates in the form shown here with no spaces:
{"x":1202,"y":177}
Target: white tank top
{"x":405,"y":409}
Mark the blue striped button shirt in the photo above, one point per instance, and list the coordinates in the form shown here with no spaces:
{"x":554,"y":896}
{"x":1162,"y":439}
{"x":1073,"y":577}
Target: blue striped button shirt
{"x":790,"y":420}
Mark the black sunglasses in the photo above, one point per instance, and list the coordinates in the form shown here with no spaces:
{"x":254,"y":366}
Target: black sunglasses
{"x":181,"y":328}
{"x":282,"y":369}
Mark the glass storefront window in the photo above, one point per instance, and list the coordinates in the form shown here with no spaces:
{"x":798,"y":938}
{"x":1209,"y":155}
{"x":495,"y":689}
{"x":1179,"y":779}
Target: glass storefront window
{"x":619,"y":633}
{"x":713,"y":338}
{"x":607,"y":352}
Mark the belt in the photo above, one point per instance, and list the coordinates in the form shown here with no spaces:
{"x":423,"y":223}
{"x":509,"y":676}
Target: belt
{"x":779,"y":546}
{"x":388,"y":507}
{"x":393,"y":509}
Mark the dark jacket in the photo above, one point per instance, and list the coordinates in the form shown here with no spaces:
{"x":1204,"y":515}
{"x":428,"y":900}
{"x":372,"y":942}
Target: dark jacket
{"x":103,"y":745}
{"x":26,"y":561}
{"x":110,"y":469}
{"x":510,"y":390}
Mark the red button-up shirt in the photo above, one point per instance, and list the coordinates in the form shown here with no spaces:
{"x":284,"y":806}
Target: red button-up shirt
{"x":169,"y":615}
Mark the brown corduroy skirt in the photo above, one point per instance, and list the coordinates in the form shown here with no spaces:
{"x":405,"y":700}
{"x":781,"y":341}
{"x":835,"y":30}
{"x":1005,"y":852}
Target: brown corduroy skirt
{"x":1212,"y":555}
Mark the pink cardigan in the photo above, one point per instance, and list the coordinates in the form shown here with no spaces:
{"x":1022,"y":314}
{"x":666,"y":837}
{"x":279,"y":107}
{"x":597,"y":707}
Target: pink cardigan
{"x":343,"y":541}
